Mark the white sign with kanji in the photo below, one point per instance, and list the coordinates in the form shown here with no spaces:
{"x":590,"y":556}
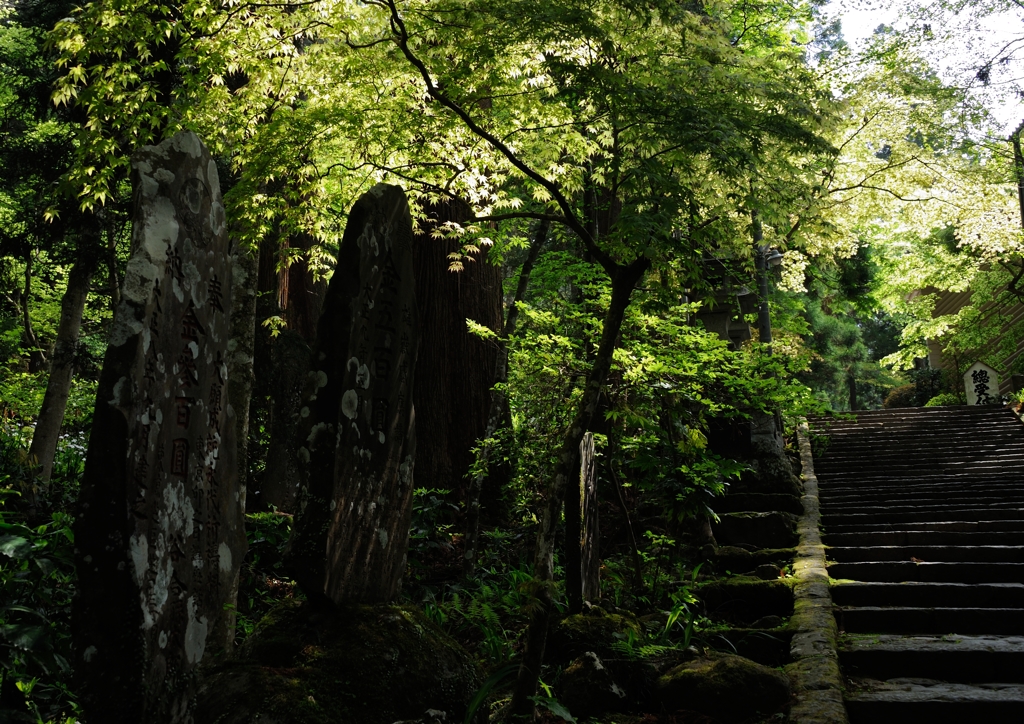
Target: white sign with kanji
{"x":981,"y":384}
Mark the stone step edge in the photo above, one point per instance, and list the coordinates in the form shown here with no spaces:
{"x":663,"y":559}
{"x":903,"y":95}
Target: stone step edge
{"x":947,"y":643}
{"x":818,"y":683}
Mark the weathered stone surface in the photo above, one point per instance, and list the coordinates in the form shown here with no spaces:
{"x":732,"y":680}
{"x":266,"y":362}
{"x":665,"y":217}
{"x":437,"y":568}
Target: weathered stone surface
{"x":588,"y":688}
{"x":819,"y":706}
{"x":762,"y":530}
{"x":813,"y":673}
{"x":729,"y":688}
{"x":159,"y":534}
{"x":352,"y":533}
{"x":366,"y":664}
{"x":817,"y":681}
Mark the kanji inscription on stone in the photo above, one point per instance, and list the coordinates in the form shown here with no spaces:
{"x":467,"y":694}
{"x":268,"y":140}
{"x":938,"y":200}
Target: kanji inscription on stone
{"x":160,"y":530}
{"x":352,"y":532}
{"x":981,"y":385}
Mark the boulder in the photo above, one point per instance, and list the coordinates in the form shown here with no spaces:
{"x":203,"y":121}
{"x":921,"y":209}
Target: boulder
{"x":593,"y":630}
{"x":727,"y":687}
{"x":588,"y":688}
{"x":368,"y":664}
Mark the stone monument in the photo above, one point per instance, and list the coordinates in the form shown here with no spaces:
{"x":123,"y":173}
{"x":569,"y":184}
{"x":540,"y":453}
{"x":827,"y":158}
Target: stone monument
{"x":352,"y":531}
{"x":981,"y":383}
{"x":159,"y":535}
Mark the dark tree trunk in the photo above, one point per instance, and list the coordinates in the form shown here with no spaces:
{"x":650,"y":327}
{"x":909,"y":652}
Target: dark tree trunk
{"x":455,"y":369}
{"x":851,"y":383}
{"x":36,"y":356}
{"x":58,"y":386}
{"x":624,"y":281}
{"x":498,"y":405}
{"x":241,"y":348}
{"x":299,"y":298}
{"x":290,"y":359}
{"x":304,"y":294}
{"x":110,"y":259}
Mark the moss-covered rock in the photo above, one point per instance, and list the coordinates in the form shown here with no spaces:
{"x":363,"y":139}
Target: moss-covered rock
{"x":593,"y":630}
{"x":726,"y":687}
{"x":588,"y":688}
{"x":741,"y":600}
{"x":365,"y":664}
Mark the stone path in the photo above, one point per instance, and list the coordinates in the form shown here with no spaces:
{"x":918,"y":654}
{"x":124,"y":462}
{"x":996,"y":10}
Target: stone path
{"x":923,"y":513}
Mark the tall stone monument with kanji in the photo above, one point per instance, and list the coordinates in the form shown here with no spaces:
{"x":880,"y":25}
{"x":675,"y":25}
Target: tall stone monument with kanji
{"x":159,"y":535}
{"x":352,"y":531}
{"x":981,"y":385}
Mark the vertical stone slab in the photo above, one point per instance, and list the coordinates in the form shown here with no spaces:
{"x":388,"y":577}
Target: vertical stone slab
{"x":981,"y":385}
{"x":352,"y":533}
{"x":160,"y":529}
{"x":590,"y":533}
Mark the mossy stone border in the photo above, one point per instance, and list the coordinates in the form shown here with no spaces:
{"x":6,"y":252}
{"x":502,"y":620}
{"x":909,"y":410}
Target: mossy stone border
{"x":818,"y":683}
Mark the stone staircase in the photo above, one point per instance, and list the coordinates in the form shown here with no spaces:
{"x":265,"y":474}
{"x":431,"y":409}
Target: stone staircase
{"x":923,"y":513}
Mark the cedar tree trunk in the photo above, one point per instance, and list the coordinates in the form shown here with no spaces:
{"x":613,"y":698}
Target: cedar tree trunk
{"x":455,"y":368}
{"x":58,"y":386}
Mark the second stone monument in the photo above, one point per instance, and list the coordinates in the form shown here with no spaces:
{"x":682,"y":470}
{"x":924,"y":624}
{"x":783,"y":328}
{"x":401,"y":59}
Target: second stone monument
{"x":352,"y":531}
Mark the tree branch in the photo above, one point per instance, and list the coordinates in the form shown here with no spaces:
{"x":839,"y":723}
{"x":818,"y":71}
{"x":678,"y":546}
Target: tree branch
{"x":401,"y":34}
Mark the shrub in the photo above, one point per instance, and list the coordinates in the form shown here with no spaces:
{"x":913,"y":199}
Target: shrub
{"x":902,"y":396}
{"x":943,"y":399}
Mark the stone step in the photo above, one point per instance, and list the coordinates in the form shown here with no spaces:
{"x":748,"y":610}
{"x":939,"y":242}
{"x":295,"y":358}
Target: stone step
{"x":991,"y":466}
{"x":923,"y":538}
{"x":935,"y":423}
{"x":914,"y":472}
{"x":868,"y":420}
{"x":914,"y":496}
{"x":945,"y":554}
{"x":927,"y":495}
{"x":900,"y":451}
{"x":913,"y":593}
{"x":919,"y":701}
{"x":918,"y":415}
{"x":923,"y":513}
{"x":929,"y":572}
{"x":963,"y":659}
{"x":974,"y":431}
{"x":922,"y":620}
{"x":957,"y":526}
{"x":1001,"y":477}
{"x":887,"y":478}
{"x":851,"y":516}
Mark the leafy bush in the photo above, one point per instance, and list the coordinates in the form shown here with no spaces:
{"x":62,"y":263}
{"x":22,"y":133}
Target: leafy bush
{"x":36,"y":586}
{"x":902,"y":396}
{"x":262,"y":581}
{"x":943,"y":399}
